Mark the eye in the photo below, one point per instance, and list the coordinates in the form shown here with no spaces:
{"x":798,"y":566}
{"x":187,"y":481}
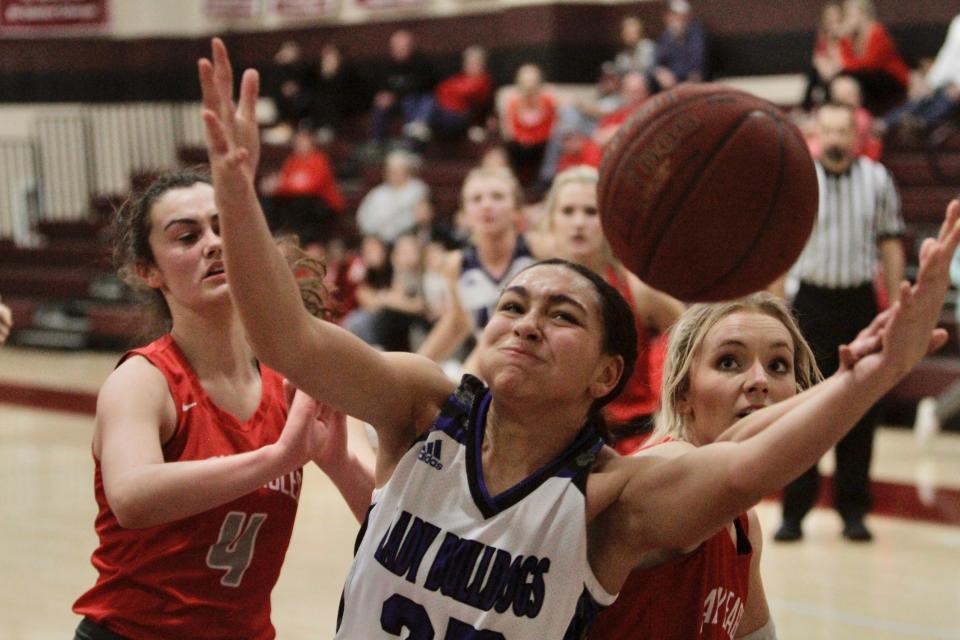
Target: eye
{"x":187,"y":238}
{"x":727,"y":362}
{"x":566,"y":316}
{"x":510,"y":306}
{"x":590,"y":211}
{"x":781,"y":365}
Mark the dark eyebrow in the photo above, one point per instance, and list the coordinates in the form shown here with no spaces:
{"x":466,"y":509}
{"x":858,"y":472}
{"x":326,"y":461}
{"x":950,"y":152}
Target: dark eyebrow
{"x":559,"y":298}
{"x":191,"y":221}
{"x":556,"y":298}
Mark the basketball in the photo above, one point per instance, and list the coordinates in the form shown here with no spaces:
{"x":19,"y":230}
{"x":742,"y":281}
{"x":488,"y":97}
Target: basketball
{"x":707,"y":193}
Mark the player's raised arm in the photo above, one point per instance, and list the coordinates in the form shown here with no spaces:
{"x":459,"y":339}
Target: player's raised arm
{"x":318,"y":357}
{"x":711,"y":484}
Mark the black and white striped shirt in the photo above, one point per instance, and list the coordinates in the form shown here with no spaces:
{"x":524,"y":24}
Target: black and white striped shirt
{"x":857,"y":210}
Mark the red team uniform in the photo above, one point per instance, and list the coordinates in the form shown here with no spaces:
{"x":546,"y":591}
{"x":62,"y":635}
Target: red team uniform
{"x":209,"y":575}
{"x":641,"y":395}
{"x":659,"y":602}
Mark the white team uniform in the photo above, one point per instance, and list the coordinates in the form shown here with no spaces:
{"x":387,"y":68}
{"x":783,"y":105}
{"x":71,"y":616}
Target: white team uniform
{"x":479,"y":291}
{"x":438,"y":557}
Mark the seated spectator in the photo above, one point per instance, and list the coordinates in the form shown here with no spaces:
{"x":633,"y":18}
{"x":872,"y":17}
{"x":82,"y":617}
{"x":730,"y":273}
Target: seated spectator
{"x":337,"y":90}
{"x":464,"y":99}
{"x":576,"y":121}
{"x":637,"y":53}
{"x":937,"y":93}
{"x":682,"y":49}
{"x":389,"y":209}
{"x":579,"y":149}
{"x":824,"y":64}
{"x":290,"y":80}
{"x":405,"y":88}
{"x":868,"y":53}
{"x":305,"y":198}
{"x":529,"y":116}
{"x":428,"y":229}
{"x":368,"y":276}
{"x":436,"y":293}
{"x":845,"y":89}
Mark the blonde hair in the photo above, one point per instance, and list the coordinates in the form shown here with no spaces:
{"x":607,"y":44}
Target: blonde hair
{"x":503,"y":173}
{"x":578,"y":174}
{"x":686,"y":339}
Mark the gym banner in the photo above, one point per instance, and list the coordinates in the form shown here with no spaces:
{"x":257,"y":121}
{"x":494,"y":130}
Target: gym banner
{"x":52,"y":14}
{"x":306,"y":8}
{"x":232,"y":8}
{"x":390,"y":4}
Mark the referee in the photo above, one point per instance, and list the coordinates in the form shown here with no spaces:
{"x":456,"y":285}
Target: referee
{"x":857,"y":222}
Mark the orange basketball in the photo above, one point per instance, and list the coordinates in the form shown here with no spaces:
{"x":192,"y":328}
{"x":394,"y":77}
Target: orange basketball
{"x":707,"y":193}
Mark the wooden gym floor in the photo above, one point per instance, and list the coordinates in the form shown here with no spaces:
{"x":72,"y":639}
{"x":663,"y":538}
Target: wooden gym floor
{"x":906,"y":585}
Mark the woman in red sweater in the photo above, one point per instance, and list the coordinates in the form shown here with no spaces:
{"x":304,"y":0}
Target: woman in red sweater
{"x":868,"y":53}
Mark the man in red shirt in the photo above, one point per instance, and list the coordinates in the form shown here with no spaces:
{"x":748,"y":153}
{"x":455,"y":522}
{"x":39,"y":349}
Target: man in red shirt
{"x":466,"y":98}
{"x":306,"y":198}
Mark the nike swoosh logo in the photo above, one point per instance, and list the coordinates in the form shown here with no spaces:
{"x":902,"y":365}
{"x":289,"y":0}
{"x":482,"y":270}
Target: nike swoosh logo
{"x":187,"y":407}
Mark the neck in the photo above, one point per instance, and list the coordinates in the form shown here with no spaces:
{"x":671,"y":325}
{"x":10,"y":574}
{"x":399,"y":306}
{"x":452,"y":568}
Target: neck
{"x":497,"y":246}
{"x":518,"y":441}
{"x":836,"y":167}
{"x":213,"y":343}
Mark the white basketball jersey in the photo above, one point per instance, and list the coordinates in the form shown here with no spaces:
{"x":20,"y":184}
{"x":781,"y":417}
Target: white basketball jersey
{"x":439,"y":557}
{"x":479,"y":291}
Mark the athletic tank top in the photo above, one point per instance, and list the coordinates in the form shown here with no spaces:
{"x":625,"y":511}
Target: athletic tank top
{"x":439,"y":557}
{"x":478,"y":290}
{"x":696,"y":596}
{"x":641,"y":395}
{"x":208,"y":575}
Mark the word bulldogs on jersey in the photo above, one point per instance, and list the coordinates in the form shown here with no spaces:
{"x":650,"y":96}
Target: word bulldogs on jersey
{"x":468,"y":571}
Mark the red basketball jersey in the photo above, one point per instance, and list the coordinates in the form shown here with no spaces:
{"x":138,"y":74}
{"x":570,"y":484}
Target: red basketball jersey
{"x":208,"y":575}
{"x":641,"y":395}
{"x":700,"y":595}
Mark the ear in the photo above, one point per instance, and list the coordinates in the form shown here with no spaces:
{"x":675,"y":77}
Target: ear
{"x":683,"y":405}
{"x":150,"y":275}
{"x":607,"y":375}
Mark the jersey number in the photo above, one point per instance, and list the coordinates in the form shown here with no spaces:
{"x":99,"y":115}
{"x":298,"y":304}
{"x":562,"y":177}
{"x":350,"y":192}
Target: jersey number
{"x":401,"y":613}
{"x":233,"y":551}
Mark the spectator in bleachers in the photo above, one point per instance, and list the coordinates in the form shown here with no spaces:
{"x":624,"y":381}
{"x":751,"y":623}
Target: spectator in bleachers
{"x":868,"y":53}
{"x":292,"y":77}
{"x":637,"y":52}
{"x":845,"y":89}
{"x":579,"y":149}
{"x":368,"y":276}
{"x":576,"y":121}
{"x":682,"y":49}
{"x":406,"y":88}
{"x":465,"y":99}
{"x":6,"y":322}
{"x":528,"y":119}
{"x":337,"y":91}
{"x":304,"y":197}
{"x":428,"y":229}
{"x":936,"y":94}
{"x":824,"y":64}
{"x":389,"y":209}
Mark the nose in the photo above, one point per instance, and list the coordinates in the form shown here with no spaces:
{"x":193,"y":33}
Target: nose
{"x":213,"y":245}
{"x":526,"y":327}
{"x":757,"y":380}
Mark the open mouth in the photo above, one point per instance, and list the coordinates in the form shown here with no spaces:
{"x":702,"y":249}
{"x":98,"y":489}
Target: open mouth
{"x":214,"y":271}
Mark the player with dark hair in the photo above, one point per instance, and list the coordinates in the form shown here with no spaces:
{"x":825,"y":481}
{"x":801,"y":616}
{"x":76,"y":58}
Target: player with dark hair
{"x":198,"y":460}
{"x":498,"y":512}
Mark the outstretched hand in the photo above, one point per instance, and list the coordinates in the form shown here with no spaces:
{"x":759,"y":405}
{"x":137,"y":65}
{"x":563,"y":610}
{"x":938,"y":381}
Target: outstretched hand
{"x":907,"y":331}
{"x":313,"y":430}
{"x":233,"y":138}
